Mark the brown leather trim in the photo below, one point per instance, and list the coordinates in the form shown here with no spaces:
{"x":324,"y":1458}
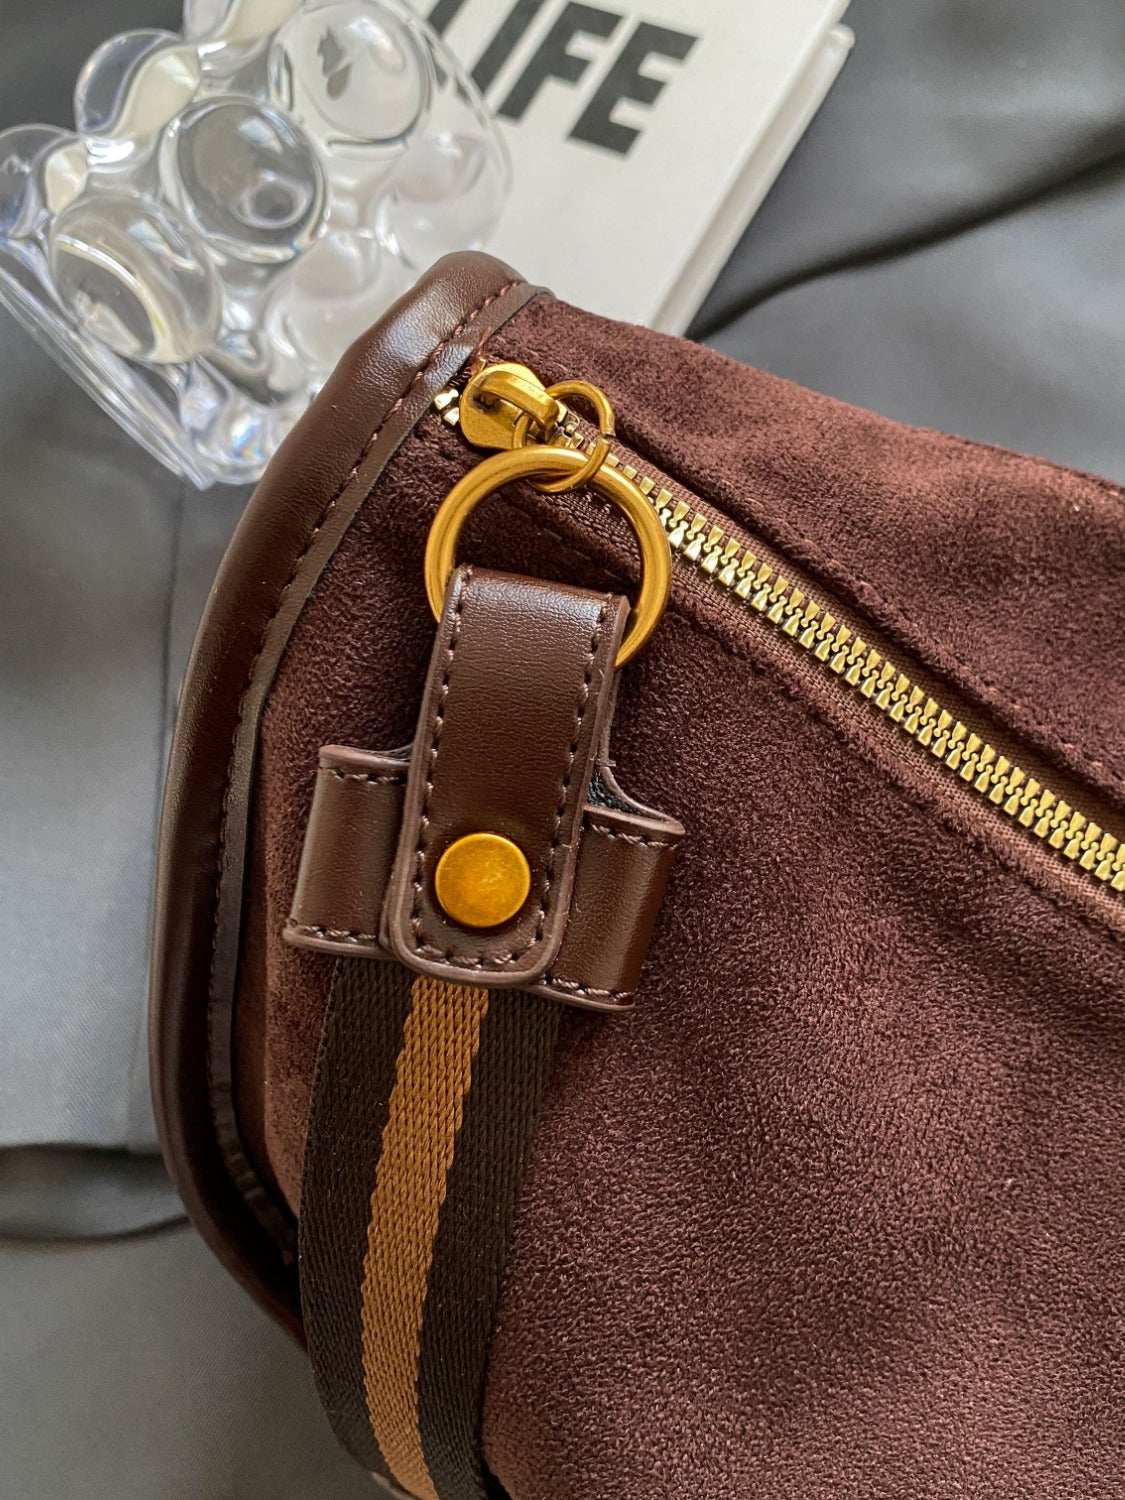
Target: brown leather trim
{"x":624,"y":859}
{"x":310,"y":494}
{"x":519,"y":692}
{"x":623,"y":868}
{"x":348,"y":851}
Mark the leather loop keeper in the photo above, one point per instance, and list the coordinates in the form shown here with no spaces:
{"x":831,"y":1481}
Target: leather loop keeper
{"x":519,"y":689}
{"x":624,"y":859}
{"x":512,"y":740}
{"x":348,"y":851}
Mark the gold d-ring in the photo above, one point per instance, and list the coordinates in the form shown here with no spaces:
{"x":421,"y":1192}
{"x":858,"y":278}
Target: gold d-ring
{"x":555,"y":463}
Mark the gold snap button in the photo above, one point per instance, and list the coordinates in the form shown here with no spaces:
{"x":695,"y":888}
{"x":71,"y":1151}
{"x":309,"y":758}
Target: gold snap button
{"x":482,"y":880}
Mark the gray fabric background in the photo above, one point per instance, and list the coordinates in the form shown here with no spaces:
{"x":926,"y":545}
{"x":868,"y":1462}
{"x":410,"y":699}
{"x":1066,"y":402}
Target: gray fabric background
{"x":947,"y":246}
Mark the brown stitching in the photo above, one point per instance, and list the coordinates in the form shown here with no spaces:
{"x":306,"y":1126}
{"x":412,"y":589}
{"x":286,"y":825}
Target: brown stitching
{"x":432,"y":755}
{"x":337,"y":934}
{"x":498,"y":960}
{"x":584,"y":989}
{"x":348,"y":935}
{"x":372,"y":778}
{"x":449,"y":955}
{"x":352,"y":473}
{"x":564,"y":786}
{"x":646,"y":839}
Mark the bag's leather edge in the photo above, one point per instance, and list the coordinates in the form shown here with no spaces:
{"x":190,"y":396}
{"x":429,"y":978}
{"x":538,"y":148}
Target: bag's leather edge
{"x":310,"y":494}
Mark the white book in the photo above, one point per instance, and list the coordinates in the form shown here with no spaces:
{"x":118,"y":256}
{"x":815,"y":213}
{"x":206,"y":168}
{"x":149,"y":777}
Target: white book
{"x":643,"y":136}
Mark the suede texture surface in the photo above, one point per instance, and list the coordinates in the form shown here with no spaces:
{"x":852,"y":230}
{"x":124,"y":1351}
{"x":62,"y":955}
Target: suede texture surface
{"x":1003,"y":572}
{"x":837,"y":1211}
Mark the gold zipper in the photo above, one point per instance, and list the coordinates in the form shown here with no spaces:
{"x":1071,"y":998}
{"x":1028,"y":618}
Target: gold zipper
{"x":504,"y":405}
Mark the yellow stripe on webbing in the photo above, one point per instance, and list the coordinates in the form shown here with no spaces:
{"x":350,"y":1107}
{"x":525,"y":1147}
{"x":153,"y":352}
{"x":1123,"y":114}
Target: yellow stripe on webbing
{"x":440,"y":1041}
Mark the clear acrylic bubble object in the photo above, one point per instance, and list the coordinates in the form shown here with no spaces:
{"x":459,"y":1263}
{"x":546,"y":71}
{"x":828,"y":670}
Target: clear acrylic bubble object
{"x":235,"y":205}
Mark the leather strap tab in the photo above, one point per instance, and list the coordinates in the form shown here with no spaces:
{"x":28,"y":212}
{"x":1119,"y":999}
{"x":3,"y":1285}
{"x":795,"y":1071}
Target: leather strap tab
{"x":517,"y":699}
{"x":624,"y":860}
{"x":348,"y":852}
{"x":432,"y":1072}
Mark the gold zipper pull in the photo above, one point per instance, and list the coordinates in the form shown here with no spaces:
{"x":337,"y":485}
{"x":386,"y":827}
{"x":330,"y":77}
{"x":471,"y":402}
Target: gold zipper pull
{"x":507,"y":407}
{"x":505,"y":404}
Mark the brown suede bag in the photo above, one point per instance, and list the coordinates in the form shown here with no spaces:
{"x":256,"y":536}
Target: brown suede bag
{"x":765,"y":1138}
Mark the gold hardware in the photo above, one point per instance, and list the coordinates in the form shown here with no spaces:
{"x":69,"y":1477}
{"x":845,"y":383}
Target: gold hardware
{"x":482,"y":880}
{"x":499,"y":397}
{"x":498,"y":408}
{"x":607,"y":429}
{"x":729,"y":563}
{"x":555,"y":463}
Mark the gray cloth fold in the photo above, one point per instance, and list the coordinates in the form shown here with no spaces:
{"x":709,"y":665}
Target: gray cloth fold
{"x":947,"y":114}
{"x":1012,"y":332}
{"x":103,"y":574}
{"x":47,"y":1193}
{"x":137,"y":1369}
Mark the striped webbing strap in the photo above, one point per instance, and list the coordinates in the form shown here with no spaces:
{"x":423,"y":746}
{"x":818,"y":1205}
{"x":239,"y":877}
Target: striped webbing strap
{"x":424,"y":1105}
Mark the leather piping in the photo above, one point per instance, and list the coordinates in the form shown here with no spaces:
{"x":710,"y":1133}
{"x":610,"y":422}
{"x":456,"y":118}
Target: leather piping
{"x":249,"y":619}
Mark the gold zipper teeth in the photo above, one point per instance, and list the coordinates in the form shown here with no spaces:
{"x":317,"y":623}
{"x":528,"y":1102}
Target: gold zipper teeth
{"x":695,"y":539}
